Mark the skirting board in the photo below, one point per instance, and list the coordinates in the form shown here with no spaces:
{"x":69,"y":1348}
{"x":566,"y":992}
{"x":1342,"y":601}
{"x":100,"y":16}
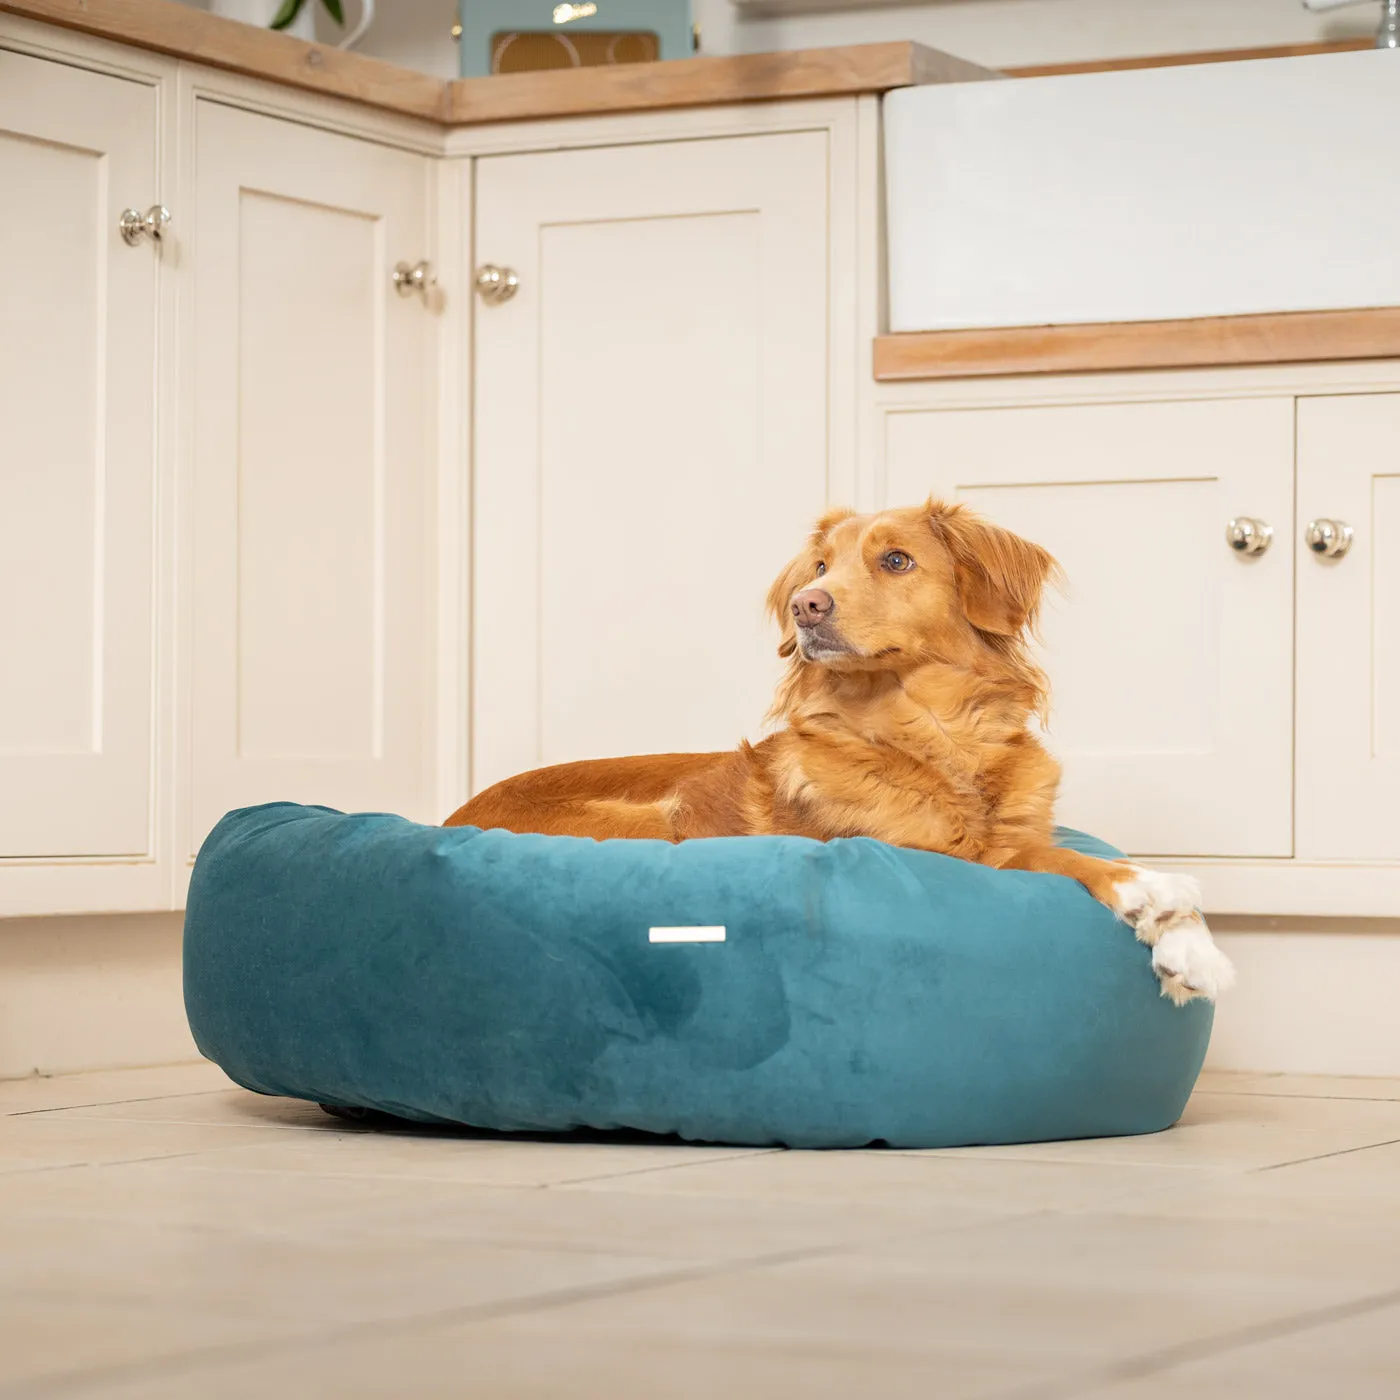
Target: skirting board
{"x":1309,"y":1003}
{"x":99,"y":992}
{"x":1286,"y":337}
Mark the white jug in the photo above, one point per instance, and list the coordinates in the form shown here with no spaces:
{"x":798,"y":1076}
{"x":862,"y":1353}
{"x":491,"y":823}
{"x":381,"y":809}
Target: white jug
{"x":262,"y":13}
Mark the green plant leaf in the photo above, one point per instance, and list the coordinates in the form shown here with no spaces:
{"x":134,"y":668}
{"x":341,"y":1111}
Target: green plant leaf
{"x":336,"y":10}
{"x":289,"y":11}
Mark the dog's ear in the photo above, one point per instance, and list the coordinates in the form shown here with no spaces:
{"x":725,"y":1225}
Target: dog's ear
{"x":780,"y":595}
{"x":1001,"y":577}
{"x":798,"y":572}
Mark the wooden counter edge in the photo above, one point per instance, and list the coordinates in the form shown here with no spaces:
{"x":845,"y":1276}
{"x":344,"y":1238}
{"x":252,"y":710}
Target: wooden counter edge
{"x":1180,"y":60}
{"x":1285,"y":337}
{"x":704,"y":82}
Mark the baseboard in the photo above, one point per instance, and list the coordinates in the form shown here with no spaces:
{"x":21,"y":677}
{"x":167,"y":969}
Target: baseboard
{"x":91,"y":992}
{"x":1309,"y":1002}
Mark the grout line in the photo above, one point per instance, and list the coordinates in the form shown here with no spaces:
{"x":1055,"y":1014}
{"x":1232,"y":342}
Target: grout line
{"x":199,"y":1359}
{"x":1302,"y":1098}
{"x":954,"y":1154}
{"x":742,"y":1156}
{"x":81,"y":1115}
{"x":7,"y":1172}
{"x":1323,"y":1156}
{"x":110,"y":1103}
{"x":1167,"y":1358}
{"x":63,"y":1076}
{"x":87,"y":1164}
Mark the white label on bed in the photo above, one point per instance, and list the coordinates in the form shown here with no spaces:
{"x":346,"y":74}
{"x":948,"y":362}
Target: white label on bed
{"x":693,"y":933}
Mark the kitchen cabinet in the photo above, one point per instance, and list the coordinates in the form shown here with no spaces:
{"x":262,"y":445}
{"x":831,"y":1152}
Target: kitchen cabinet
{"x":651,"y":439}
{"x":302,"y":507}
{"x":284,"y":517}
{"x":1348,"y":735}
{"x":310,"y":559}
{"x":79,"y":354}
{"x":1170,"y":654}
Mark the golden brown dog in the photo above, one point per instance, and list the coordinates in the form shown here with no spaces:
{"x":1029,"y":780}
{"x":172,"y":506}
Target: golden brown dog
{"x":905,"y":712}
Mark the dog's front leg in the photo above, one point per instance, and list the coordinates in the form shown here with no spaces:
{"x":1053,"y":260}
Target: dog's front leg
{"x":1163,"y":910}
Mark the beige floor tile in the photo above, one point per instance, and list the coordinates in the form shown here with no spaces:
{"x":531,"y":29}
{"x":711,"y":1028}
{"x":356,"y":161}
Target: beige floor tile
{"x":1312,"y":1263}
{"x":841,"y":1325}
{"x":377,"y":1210}
{"x":1317,"y":1086}
{"x":508,"y":1361}
{"x":48,"y":1339}
{"x":291,"y":1205}
{"x":214,"y":1108}
{"x":985,"y":1316}
{"x":338,"y":1150}
{"x":711,"y":1227}
{"x":37,"y":1141}
{"x":108,"y":1086}
{"x":122,"y":1292}
{"x":1220,"y":1130}
{"x":984,"y":1186}
{"x":1352,"y":1358}
{"x":1000,"y":1305}
{"x":220,"y":1244}
{"x":731,"y":1335}
{"x":1357,"y":1186}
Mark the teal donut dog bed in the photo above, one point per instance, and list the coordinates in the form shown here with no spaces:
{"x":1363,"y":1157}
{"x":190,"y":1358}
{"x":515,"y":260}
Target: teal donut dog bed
{"x":748,"y":990}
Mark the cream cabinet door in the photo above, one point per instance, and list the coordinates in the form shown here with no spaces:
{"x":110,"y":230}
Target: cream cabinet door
{"x":1349,"y":630}
{"x":310,"y":559}
{"x":1170,"y":656}
{"x":650,"y":440}
{"x":78,"y":319}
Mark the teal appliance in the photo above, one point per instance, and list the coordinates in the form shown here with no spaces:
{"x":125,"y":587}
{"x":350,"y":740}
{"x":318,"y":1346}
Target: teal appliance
{"x":511,"y":36}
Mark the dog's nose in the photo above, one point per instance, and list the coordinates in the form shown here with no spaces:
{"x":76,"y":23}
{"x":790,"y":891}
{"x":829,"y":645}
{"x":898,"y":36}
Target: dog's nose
{"x":811,"y":606}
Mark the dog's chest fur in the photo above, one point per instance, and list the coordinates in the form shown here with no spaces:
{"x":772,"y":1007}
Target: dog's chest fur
{"x":936,"y":763}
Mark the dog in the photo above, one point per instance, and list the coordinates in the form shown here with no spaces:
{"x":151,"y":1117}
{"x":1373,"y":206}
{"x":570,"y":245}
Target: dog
{"x":905,"y":715}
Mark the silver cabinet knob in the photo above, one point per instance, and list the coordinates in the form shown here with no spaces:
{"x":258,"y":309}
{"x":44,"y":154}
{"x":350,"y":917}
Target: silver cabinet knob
{"x":496,"y":284}
{"x":135,"y":225}
{"x":1329,"y":538}
{"x":1245,"y":535}
{"x":413,"y":277}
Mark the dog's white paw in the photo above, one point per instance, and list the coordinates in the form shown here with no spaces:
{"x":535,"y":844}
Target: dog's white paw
{"x":1189,"y":964}
{"x":1150,"y":903}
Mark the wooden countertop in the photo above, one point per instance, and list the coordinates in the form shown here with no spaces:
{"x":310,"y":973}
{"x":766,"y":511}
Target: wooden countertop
{"x":184,"y":32}
{"x":702,"y":82}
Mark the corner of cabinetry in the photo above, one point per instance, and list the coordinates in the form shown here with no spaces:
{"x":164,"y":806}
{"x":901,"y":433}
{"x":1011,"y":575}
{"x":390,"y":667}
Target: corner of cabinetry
{"x":452,"y":224}
{"x":870,"y":296}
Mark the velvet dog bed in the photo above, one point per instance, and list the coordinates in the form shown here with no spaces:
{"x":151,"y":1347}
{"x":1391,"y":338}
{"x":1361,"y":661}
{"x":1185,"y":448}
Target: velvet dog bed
{"x":750,"y":990}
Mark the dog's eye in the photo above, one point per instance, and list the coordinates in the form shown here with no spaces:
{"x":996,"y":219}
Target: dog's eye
{"x":821,"y":569}
{"x":898,"y":561}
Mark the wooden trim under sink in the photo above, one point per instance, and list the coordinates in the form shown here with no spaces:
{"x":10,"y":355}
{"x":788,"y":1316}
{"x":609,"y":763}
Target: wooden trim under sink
{"x":1176,"y":60}
{"x":1276,"y":338}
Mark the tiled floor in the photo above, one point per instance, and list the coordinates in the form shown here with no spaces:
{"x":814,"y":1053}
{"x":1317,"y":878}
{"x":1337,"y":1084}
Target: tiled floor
{"x":164,"y":1235}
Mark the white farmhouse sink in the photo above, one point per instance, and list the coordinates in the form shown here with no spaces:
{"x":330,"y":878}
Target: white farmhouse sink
{"x":1214,"y":189}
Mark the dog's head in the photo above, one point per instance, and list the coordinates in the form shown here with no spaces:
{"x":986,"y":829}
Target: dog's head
{"x":904,"y":588}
